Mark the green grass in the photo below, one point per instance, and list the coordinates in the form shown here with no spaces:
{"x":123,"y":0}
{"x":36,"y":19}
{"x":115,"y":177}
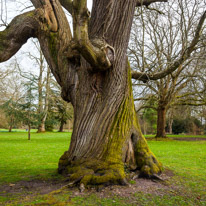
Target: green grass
{"x":21,"y":159}
{"x":186,"y":159}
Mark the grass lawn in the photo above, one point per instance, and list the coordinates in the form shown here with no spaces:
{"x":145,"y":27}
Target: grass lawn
{"x":22,"y":159}
{"x":187,"y":159}
{"x":37,"y":159}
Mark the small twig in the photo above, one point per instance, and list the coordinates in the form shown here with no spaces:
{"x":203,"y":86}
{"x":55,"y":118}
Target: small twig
{"x":28,"y":7}
{"x":153,"y":9}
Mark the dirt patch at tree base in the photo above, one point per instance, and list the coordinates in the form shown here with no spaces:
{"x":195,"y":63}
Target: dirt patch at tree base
{"x":24,"y":190}
{"x":31,"y":186}
{"x":138,"y":185}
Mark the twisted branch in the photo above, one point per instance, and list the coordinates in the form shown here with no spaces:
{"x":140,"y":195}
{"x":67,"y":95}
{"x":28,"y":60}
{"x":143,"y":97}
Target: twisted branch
{"x":17,"y":33}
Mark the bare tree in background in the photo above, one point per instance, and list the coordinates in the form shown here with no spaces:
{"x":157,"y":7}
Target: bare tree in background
{"x":62,"y":110}
{"x":43,"y":84}
{"x":166,"y":42}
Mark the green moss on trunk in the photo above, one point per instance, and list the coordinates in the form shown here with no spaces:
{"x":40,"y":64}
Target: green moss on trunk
{"x":146,"y":161}
{"x":109,"y":167}
{"x":53,"y":42}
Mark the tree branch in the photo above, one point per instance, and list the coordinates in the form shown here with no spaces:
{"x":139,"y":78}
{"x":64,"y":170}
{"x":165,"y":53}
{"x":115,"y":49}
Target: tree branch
{"x":148,"y":2}
{"x":17,"y":33}
{"x":185,"y":55}
{"x":153,"y":9}
{"x":98,"y":53}
{"x":146,"y":107}
{"x":37,"y":3}
{"x":190,"y":104}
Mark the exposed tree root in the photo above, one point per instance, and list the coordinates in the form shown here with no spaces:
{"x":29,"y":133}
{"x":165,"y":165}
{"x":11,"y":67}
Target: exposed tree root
{"x":96,"y":172}
{"x":146,"y":160}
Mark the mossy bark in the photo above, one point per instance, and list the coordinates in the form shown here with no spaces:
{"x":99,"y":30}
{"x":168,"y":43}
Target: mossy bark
{"x":106,"y":135}
{"x":103,"y":158}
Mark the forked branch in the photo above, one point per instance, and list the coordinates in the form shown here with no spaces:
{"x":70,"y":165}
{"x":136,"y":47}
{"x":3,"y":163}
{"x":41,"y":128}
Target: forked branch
{"x":98,"y":53}
{"x":185,"y":55}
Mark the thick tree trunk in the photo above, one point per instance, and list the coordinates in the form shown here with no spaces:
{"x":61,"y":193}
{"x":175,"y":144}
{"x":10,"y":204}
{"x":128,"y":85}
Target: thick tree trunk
{"x":10,"y":128}
{"x":41,"y":127}
{"x":106,"y":138}
{"x":11,"y":124}
{"x":106,"y":134}
{"x":170,"y":122}
{"x":44,"y":111}
{"x":61,"y":128}
{"x":161,"y":122}
{"x":29,"y":132}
